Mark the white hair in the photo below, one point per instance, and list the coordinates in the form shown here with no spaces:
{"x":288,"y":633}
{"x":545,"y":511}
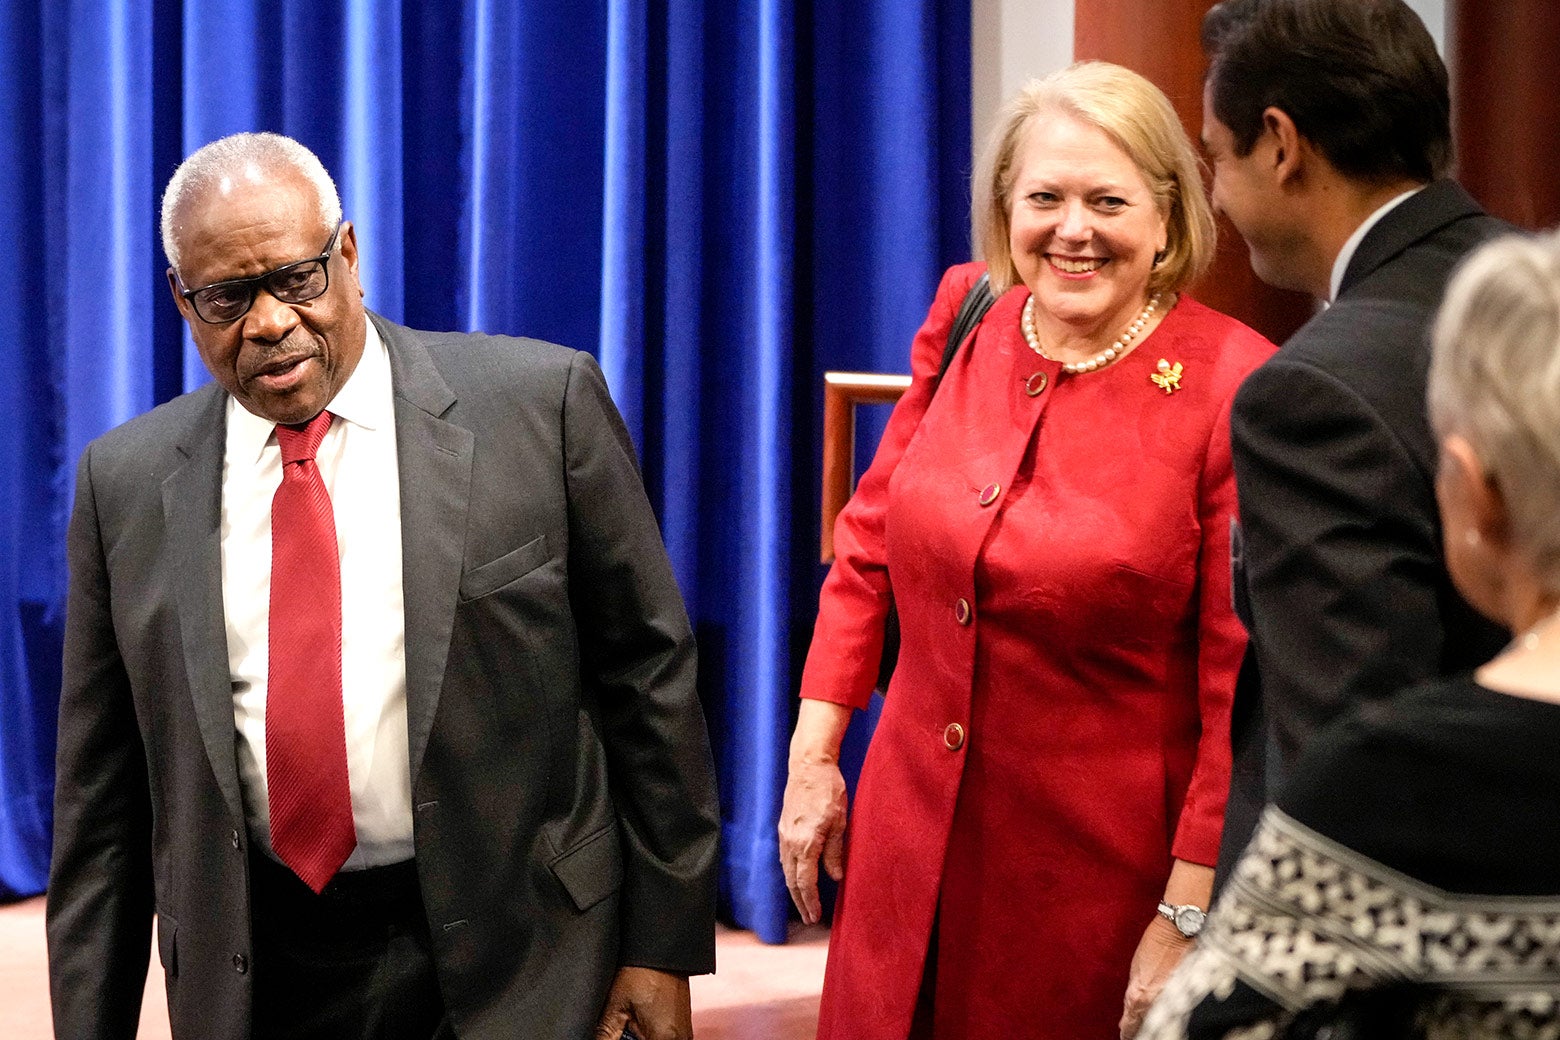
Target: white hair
{"x":1495,"y":381}
{"x":248,"y":155}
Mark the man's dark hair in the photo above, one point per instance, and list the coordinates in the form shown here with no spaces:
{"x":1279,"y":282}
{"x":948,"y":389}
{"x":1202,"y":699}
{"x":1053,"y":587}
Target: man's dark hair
{"x":1360,"y":78}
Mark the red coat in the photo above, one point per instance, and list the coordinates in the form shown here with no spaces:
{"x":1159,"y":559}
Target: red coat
{"x":1058,"y":726}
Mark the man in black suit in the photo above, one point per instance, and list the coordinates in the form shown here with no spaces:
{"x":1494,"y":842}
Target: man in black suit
{"x":507,"y":823}
{"x":1327,"y":125}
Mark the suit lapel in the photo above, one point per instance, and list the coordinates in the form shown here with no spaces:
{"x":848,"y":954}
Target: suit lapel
{"x":192,"y":518}
{"x":1437,"y":205}
{"x":434,"y":461}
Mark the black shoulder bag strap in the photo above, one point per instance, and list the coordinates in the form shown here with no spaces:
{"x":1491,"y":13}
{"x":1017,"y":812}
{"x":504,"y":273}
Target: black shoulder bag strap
{"x":976,"y":303}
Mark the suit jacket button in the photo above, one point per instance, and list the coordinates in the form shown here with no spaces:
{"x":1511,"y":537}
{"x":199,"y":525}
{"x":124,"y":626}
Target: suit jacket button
{"x":236,"y":842}
{"x":240,"y":963}
{"x":989,"y":493}
{"x":962,"y":612}
{"x":1034,"y":386}
{"x":953,"y":736}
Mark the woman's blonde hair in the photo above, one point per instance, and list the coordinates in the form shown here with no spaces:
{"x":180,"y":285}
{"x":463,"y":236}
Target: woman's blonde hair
{"x":1495,"y":381}
{"x":1138,"y":117}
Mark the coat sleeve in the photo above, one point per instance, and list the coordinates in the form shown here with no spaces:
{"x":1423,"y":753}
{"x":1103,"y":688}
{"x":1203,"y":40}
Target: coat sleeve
{"x":637,"y":658}
{"x":1342,"y":550}
{"x":100,"y":900}
{"x":847,"y":643}
{"x":1221,"y":642}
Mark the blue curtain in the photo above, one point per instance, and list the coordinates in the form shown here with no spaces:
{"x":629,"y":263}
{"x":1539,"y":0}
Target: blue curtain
{"x":720,"y":198}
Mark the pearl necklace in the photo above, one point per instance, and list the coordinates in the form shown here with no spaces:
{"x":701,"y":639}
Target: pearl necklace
{"x":1104,"y":357}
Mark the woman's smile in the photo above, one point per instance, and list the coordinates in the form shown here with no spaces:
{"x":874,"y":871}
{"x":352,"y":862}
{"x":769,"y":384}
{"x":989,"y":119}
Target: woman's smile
{"x":1084,"y":230}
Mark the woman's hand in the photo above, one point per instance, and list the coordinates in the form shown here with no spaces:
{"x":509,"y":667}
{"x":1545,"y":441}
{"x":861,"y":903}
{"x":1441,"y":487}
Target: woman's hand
{"x":812,"y":822}
{"x":812,"y":816}
{"x":1159,"y":951}
{"x":1163,"y":945}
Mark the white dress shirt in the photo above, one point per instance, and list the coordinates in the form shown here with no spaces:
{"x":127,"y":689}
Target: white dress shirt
{"x":357,"y":461}
{"x":1341,"y":262}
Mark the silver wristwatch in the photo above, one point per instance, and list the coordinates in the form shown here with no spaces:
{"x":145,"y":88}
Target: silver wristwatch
{"x":1188,"y":919}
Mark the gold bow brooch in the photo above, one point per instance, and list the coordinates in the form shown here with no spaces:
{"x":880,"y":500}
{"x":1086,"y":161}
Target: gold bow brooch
{"x":1168,"y":378}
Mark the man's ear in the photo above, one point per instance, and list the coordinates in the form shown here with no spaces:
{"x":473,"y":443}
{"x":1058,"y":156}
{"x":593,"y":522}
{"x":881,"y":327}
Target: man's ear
{"x":349,"y":252}
{"x":1286,"y":142}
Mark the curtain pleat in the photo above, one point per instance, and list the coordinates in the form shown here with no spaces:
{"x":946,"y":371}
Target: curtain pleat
{"x":30,"y":455}
{"x":720,"y":199}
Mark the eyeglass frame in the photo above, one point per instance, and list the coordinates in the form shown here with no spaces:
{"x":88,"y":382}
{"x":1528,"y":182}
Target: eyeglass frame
{"x":255,"y":283}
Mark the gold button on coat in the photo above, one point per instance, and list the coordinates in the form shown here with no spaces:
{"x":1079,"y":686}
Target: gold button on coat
{"x":961,"y":611}
{"x":1034,"y":386}
{"x":953,"y":736}
{"x":989,"y":493}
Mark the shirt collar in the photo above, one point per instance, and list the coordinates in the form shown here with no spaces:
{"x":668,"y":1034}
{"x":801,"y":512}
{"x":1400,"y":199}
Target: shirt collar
{"x":364,"y":400}
{"x":1346,"y":254}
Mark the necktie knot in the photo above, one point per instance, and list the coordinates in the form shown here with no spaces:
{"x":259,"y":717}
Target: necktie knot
{"x":300,"y":441}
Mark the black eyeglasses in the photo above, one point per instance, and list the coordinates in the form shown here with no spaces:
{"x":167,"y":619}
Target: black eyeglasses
{"x":300,"y":282}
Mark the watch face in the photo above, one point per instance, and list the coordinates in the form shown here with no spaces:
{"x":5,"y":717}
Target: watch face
{"x":1189,"y":920}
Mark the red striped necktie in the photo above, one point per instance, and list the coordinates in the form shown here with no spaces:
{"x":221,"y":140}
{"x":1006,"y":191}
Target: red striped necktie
{"x":305,"y":735}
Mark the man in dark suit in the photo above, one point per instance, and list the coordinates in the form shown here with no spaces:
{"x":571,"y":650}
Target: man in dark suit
{"x":445,"y":776}
{"x":1326,"y":123}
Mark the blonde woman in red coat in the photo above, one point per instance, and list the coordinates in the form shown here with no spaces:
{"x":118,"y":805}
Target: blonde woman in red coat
{"x":1031,"y":843}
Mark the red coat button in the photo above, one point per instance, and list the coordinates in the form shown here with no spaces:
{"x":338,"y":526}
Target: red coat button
{"x":989,"y":493}
{"x":953,"y":736}
{"x":1034,"y":386}
{"x":961,"y":611}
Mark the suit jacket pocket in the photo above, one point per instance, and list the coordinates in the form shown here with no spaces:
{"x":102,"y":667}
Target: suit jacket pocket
{"x":167,"y":945}
{"x":495,"y":574}
{"x":592,"y":870}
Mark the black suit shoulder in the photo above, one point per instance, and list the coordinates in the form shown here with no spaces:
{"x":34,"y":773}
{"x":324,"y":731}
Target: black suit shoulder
{"x":126,"y":466}
{"x":507,"y":390}
{"x":1409,"y":255}
{"x":481,"y":364}
{"x":1396,"y":279}
{"x":482,"y":348}
{"x":1420,"y":272}
{"x":1371,"y":347}
{"x":172,"y":422}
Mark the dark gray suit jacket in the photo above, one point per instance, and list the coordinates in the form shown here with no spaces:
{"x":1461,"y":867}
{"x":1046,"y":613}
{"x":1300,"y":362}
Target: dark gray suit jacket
{"x":1347,"y":597}
{"x":564,"y":806}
